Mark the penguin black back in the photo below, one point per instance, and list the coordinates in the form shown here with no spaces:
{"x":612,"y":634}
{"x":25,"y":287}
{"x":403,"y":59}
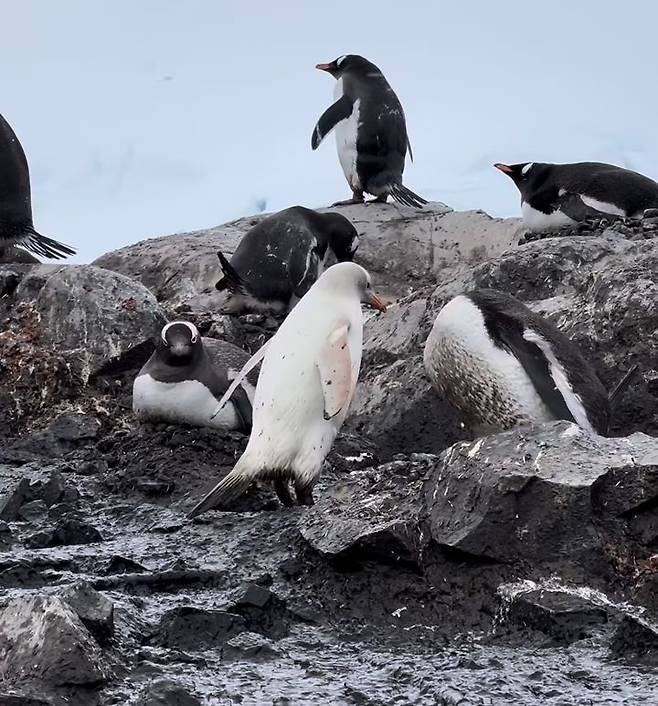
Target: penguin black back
{"x":16,"y":227}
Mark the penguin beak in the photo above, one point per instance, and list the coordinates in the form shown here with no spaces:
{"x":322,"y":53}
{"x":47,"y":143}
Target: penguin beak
{"x":375,"y":302}
{"x":323,"y":67}
{"x":505,"y":168}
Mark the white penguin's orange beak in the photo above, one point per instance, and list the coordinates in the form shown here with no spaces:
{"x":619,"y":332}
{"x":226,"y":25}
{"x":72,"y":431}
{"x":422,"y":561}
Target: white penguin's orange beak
{"x":376,"y":303}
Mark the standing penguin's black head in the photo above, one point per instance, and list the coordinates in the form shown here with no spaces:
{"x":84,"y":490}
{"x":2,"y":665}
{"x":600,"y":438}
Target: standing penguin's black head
{"x":179,"y":343}
{"x":525,"y":175}
{"x":349,"y":63}
{"x":343,"y":238}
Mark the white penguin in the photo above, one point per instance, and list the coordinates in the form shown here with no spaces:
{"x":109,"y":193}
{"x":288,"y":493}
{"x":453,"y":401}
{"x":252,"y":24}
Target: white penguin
{"x":307,"y":379}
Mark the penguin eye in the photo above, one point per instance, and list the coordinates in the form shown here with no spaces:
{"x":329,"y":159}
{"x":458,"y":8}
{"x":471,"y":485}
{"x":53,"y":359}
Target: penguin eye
{"x":367,"y":285}
{"x":194,"y":338}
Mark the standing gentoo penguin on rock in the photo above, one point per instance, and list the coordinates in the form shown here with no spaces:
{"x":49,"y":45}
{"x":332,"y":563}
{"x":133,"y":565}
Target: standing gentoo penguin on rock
{"x":371,"y":132}
{"x":279,"y":259}
{"x":559,"y":195}
{"x":16,"y":227}
{"x":307,"y":379}
{"x":502,"y":365}
{"x":179,"y":382}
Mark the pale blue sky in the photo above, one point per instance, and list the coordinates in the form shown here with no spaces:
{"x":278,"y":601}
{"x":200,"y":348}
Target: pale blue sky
{"x":144,"y":117}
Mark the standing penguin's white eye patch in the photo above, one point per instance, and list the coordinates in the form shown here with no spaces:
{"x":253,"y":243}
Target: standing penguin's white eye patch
{"x":527,"y":168}
{"x":340,"y":60}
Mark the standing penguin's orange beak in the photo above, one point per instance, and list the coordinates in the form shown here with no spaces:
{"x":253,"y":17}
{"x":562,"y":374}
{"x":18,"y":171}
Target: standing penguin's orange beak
{"x":323,"y":67}
{"x":376,"y":303}
{"x":504,"y":167}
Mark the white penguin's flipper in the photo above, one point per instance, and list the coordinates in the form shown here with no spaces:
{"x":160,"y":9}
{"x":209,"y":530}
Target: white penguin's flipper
{"x":334,"y":114}
{"x":335,"y":366}
{"x":246,"y":369}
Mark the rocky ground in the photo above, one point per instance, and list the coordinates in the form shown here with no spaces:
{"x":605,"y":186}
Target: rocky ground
{"x":435,"y":568}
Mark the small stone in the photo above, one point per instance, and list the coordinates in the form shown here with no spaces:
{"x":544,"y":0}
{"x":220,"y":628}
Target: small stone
{"x":93,"y":608}
{"x":167,"y":693}
{"x":92,"y":468}
{"x":75,"y":427}
{"x":189,"y":628}
{"x":637,"y":640}
{"x":59,"y":510}
{"x":67,"y":532}
{"x":650,"y":213}
{"x":250,"y":645}
{"x":34,"y":511}
{"x":52,"y":490}
{"x":12,"y":499}
{"x":122,"y":565}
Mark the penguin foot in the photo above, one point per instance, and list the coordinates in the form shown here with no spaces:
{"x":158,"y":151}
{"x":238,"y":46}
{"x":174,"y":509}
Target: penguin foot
{"x":304,"y":493}
{"x":357,"y":197}
{"x":283,"y":492}
{"x":380,"y":199}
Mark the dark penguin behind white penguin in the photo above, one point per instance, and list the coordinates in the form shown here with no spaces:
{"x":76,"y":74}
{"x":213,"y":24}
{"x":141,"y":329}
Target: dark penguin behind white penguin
{"x":371,"y":132}
{"x":560,"y":195}
{"x":501,"y":364}
{"x":181,"y":383}
{"x":280,"y":258}
{"x":16,"y":226}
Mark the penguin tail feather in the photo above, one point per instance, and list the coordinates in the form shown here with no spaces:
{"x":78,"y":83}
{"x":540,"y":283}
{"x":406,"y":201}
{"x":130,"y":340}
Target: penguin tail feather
{"x":615,"y":395}
{"x":44,"y":246}
{"x":226,"y":491}
{"x":231,"y":279}
{"x":406,"y":197}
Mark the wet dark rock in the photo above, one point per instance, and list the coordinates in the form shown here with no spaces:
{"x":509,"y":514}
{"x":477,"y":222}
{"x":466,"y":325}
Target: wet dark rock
{"x":118,"y":564}
{"x":637,"y":640}
{"x":33,"y":511}
{"x":93,"y":608}
{"x":75,"y":427}
{"x":376,"y":516}
{"x":251,"y":646}
{"x":167,"y":693}
{"x":42,"y":639}
{"x":263,"y":611}
{"x":189,"y":628}
{"x":43,"y":486}
{"x":14,"y":699}
{"x":66,"y":532}
{"x":561,"y":615}
{"x":534,"y":494}
{"x":20,"y":574}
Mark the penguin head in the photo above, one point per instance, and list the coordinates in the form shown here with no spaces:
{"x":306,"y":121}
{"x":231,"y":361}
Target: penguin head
{"x":343,"y":238}
{"x":348,"y":63}
{"x":524,"y":175}
{"x":179,"y":343}
{"x":353,"y":280}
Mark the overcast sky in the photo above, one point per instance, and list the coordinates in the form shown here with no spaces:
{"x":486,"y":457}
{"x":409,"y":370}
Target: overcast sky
{"x":146,"y":117}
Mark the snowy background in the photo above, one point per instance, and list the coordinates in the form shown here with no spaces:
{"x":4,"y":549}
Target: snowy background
{"x":142,"y":117}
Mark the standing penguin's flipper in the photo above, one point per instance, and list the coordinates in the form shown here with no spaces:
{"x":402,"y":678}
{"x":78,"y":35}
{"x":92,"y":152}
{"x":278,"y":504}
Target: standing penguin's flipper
{"x":335,"y":366}
{"x":242,"y":408}
{"x":340,"y":110}
{"x":246,"y":369}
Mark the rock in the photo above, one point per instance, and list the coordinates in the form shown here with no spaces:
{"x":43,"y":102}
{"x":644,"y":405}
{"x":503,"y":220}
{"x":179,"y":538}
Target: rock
{"x":42,"y":639}
{"x":101,"y":315}
{"x":14,"y":699}
{"x":637,"y":640}
{"x":12,"y":498}
{"x":562,"y":615}
{"x":33,"y":511}
{"x":93,"y":608}
{"x":376,"y":517}
{"x":398,"y":245}
{"x":75,"y":427}
{"x":44,"y":486}
{"x":167,"y":693}
{"x":537,"y":495}
{"x":66,"y":532}
{"x":251,"y":646}
{"x":190,"y":628}
{"x":263,"y":612}
{"x":17,"y":255}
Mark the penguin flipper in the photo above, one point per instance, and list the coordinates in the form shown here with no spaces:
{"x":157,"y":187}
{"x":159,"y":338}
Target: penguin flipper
{"x":335,"y":366}
{"x":572,"y":205}
{"x":411,"y":154}
{"x":231,"y":279}
{"x":243,"y":409}
{"x":340,"y":110}
{"x":246,"y":369}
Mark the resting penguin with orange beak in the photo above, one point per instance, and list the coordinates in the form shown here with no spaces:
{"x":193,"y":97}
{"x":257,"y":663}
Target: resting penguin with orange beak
{"x":309,"y":371}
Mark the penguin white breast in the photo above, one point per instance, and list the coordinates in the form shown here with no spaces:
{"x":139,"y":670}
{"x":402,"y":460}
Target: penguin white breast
{"x":538,"y":220}
{"x":346,"y":140}
{"x":484,"y":381}
{"x":187,"y":401}
{"x":289,"y":428}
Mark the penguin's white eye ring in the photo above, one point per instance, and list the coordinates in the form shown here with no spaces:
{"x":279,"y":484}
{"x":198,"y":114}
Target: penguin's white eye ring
{"x":194,"y":339}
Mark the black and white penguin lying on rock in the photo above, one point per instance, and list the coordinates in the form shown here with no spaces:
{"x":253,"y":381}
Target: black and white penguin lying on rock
{"x":502,"y":365}
{"x":560,"y":195}
{"x":371,"y":132}
{"x":280,"y":258}
{"x":181,"y":382}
